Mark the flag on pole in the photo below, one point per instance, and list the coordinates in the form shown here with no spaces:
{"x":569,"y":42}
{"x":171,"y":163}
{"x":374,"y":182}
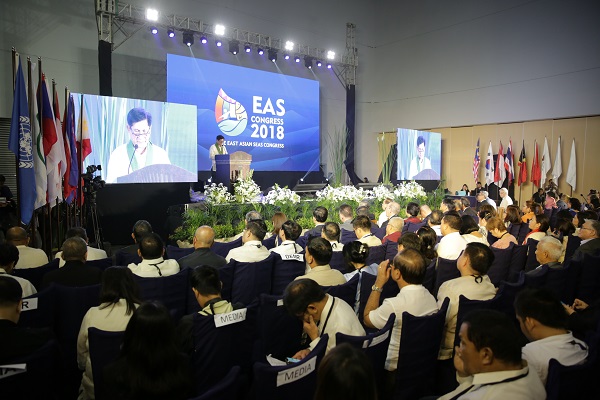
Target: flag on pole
{"x":476,"y":161}
{"x":536,"y":173}
{"x":51,"y":144}
{"x":20,"y":143}
{"x":72,"y":175}
{"x":508,"y":163}
{"x":41,"y":178}
{"x":83,"y":133}
{"x":489,"y":166}
{"x":62,"y":164}
{"x":557,"y":170}
{"x":522,"y":166}
{"x":572,"y":171}
{"x":500,"y":174}
{"x":546,"y":164}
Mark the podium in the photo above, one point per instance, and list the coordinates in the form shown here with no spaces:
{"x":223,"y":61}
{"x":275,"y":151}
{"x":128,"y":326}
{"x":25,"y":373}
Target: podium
{"x":232,"y":167}
{"x":159,"y":173}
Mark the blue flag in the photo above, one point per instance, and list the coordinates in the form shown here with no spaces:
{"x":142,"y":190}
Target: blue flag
{"x":73,"y":178}
{"x":21,"y":144}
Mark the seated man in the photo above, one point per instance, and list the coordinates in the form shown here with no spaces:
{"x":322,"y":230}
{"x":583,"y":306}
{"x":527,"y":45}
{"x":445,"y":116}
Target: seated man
{"x":543,"y":320}
{"x":289,"y":232}
{"x":153,"y":264}
{"x":482,"y":198}
{"x":140,"y":229}
{"x":331,"y":233}
{"x":362,"y":228}
{"x":452,"y":243}
{"x":435,"y":221}
{"x":93,"y":253}
{"x":202,"y":255}
{"x":383,"y":216}
{"x":9,"y":256}
{"x":391,"y":211}
{"x":590,"y":239}
{"x":424,"y":213}
{"x":393,"y":230}
{"x":489,"y":356}
{"x":16,"y":342}
{"x":305,"y":299}
{"x":74,"y":273}
{"x":447,"y":205}
{"x":29,"y":257}
{"x":206,"y":286}
{"x":408,"y":271}
{"x":320,"y":215}
{"x":506,"y":200}
{"x":409,"y":240}
{"x":547,"y":252}
{"x":465,"y":207}
{"x":346,"y":216}
{"x":251,"y":249}
{"x":473,"y":265}
{"x":250,"y":216}
{"x":317,"y":256}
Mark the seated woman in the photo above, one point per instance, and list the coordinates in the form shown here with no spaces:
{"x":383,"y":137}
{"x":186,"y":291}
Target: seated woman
{"x":530,"y":209}
{"x":512,"y":220}
{"x":118,"y":300}
{"x":497,"y":228}
{"x":564,"y":229}
{"x":278,"y":219}
{"x":539,"y":225}
{"x":150,"y":366}
{"x":428,"y":241}
{"x":469,"y":231}
{"x":355,"y":254}
{"x":484,"y":216}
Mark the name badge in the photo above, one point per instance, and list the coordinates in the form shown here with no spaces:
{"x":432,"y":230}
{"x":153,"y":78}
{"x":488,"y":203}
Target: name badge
{"x":230,"y":318}
{"x":296,"y":373}
{"x":30,"y":304}
{"x":293,"y":257}
{"x":376,"y":340}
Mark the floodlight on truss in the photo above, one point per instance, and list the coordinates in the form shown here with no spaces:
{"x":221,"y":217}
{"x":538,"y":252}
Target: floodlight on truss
{"x":289,"y":45}
{"x":247,"y":48}
{"x":203,"y":39}
{"x":153,"y":30}
{"x":151,"y":14}
{"x":219,"y":30}
{"x":308,"y":61}
{"x":330,"y":55}
{"x":234,"y":47}
{"x":171,"y":32}
{"x":188,"y":38}
{"x":273,"y":55}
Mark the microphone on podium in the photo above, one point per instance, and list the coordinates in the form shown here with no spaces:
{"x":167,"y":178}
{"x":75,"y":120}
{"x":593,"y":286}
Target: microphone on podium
{"x":135,"y":147}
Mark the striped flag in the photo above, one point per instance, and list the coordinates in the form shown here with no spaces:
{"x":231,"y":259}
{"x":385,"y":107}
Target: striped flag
{"x":489,"y":166}
{"x":522,"y":166}
{"x":39,"y":159}
{"x":476,"y":161}
{"x":508,"y":163}
{"x":52,"y":146}
{"x":72,"y":175}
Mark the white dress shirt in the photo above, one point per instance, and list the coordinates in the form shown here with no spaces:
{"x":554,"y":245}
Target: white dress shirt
{"x":30,"y":257}
{"x":92,"y":254}
{"x":287,"y":247}
{"x":324,"y":276}
{"x":370,"y":240}
{"x":251,"y":251}
{"x":451,"y":246}
{"x":150,"y":268}
{"x":26,"y":286}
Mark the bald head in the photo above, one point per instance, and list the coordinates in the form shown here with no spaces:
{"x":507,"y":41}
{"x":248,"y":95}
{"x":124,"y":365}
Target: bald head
{"x":395,"y":224}
{"x":204,"y":237}
{"x":17,"y":236}
{"x":425,"y":211}
{"x":74,"y":249}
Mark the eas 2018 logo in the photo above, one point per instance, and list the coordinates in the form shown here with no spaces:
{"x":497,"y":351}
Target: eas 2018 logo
{"x":230,"y":115}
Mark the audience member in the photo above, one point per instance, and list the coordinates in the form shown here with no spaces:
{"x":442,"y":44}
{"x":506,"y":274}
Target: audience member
{"x":202,"y":255}
{"x":506,"y":200}
{"x":547,"y":253}
{"x":424,"y":213}
{"x":409,"y":240}
{"x":539,"y":225}
{"x":561,"y":203}
{"x":580,"y":218}
{"x":539,"y":197}
{"x":447,"y":205}
{"x":305,"y":299}
{"x":29,"y":257}
{"x":543,"y":321}
{"x":465,"y":207}
{"x":346,"y":215}
{"x":16,"y":342}
{"x":74,"y":272}
{"x":383,"y":216}
{"x":393,"y":230}
{"x":513,"y":216}
{"x":391,"y":211}
{"x":497,"y":228}
{"x":564,"y":230}
{"x":412,"y":213}
{"x":140,"y":229}
{"x":435,"y":221}
{"x":320,"y":215}
{"x":331,"y":233}
{"x":428,"y":242}
{"x":206,"y":286}
{"x":150,"y":365}
{"x":153,"y":264}
{"x":355,"y":255}
{"x":473,"y":265}
{"x":119,"y":297}
{"x":478,"y":188}
{"x":590,"y":239}
{"x":346,"y":373}
{"x":288,"y":233}
{"x":550,"y":202}
{"x":452,"y":243}
{"x":250,"y":216}
{"x":362,"y":228}
{"x":93,"y":253}
{"x":278,"y":219}
{"x":252,"y":249}
{"x":318,"y":255}
{"x":364,"y":208}
{"x":583,"y":317}
{"x":408,"y":271}
{"x":574,"y":206}
{"x":482,"y":198}
{"x":489,"y":355}
{"x":9,"y":256}
{"x":469,"y":230}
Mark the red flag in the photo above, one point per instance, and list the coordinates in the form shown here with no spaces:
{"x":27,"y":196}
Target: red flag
{"x":508,"y":163}
{"x":522,"y":166}
{"x":536,"y":170}
{"x":500,"y":173}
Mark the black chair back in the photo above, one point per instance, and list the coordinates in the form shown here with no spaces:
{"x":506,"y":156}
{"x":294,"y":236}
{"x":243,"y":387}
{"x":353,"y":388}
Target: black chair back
{"x":499,"y":269}
{"x":278,"y":332}
{"x":175,"y":253}
{"x":285,"y":271}
{"x":573,"y":243}
{"x":102,"y":263}
{"x":35,"y":275}
{"x":104,"y":348}
{"x":226,"y":389}
{"x":347,"y":236}
{"x":338,"y":262}
{"x":391,"y":250}
{"x":123,"y":258}
{"x":252,"y":279}
{"x":346,"y":292}
{"x":171,"y":290}
{"x":270,"y":242}
{"x":376,"y":254}
{"x":38,"y":309}
{"x":222,"y":248}
{"x":446,"y":270}
{"x":532,"y":262}
{"x":430,"y":275}
{"x":517,"y":263}
{"x":523,"y":232}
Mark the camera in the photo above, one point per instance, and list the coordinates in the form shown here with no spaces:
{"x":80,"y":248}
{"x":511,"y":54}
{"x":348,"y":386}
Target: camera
{"x":91,"y":183}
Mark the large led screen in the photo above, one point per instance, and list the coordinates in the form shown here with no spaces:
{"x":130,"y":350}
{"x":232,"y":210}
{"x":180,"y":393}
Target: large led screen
{"x":273,"y":117}
{"x":419,"y":155}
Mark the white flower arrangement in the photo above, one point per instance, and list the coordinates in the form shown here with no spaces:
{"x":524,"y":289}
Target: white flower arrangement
{"x":246,"y":190}
{"x":281,"y":195}
{"x":410,"y":189}
{"x":342,"y":193}
{"x":217,"y":194}
{"x":382,"y":192}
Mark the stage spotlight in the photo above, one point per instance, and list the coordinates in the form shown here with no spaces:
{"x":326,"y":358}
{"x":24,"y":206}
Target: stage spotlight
{"x":289,"y":45}
{"x":319,"y":63}
{"x":247,"y":48}
{"x":297,"y":59}
{"x":273,"y":55}
{"x":219,"y":30}
{"x":234,"y":47}
{"x":153,"y":30}
{"x":171,"y":32}
{"x":260,"y":51}
{"x":188,"y":38}
{"x":329,"y":66}
{"x":151,"y":14}
{"x":308,"y":62}
{"x":219,"y":43}
{"x":330,"y":55}
{"x":204,"y":40}
{"x":286,"y":56}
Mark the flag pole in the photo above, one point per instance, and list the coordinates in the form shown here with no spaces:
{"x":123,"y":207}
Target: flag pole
{"x":32,"y":116}
{"x":14,"y":69}
{"x":47,"y":225}
{"x":59,"y":221}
